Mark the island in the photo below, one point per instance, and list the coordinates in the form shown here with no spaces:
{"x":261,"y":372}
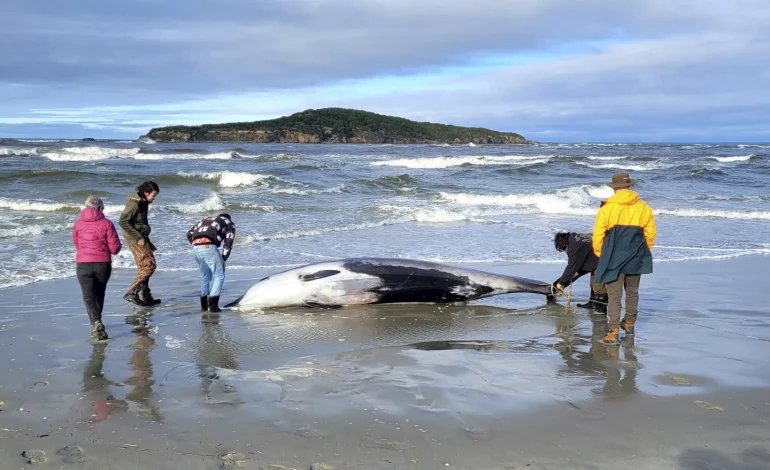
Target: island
{"x":335,"y":125}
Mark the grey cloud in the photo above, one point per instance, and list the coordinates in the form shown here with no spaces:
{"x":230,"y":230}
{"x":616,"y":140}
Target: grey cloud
{"x":681,"y":56}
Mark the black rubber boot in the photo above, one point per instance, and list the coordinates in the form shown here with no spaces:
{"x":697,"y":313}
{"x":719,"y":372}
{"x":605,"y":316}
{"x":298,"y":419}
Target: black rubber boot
{"x":214,"y":304}
{"x":590,"y":303}
{"x":204,"y":303}
{"x":600,"y":305}
{"x":134,"y":299}
{"x":147,"y":300}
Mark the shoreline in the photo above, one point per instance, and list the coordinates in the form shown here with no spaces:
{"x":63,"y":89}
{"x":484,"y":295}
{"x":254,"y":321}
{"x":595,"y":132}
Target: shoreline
{"x":507,"y":382}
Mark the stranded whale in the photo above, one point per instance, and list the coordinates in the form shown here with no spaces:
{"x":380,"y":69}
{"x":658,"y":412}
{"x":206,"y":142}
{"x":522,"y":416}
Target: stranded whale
{"x":359,"y":281}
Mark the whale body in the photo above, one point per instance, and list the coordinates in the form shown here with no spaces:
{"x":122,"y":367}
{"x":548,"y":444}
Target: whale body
{"x":362,"y":281}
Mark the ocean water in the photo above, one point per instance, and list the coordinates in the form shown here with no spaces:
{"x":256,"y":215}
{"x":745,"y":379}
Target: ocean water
{"x":298,"y":204}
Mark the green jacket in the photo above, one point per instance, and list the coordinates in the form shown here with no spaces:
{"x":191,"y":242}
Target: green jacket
{"x":624,"y":251}
{"x":133,"y":220}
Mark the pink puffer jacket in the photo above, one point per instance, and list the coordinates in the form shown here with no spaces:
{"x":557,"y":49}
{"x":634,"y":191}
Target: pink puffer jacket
{"x":95,"y":237}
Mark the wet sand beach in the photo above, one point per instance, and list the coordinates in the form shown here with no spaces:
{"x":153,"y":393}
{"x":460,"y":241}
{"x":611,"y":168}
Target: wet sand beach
{"x":505,"y":383}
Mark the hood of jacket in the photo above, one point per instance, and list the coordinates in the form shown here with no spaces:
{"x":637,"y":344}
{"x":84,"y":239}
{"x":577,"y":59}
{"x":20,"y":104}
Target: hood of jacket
{"x":625,"y":197}
{"x":90,"y":214}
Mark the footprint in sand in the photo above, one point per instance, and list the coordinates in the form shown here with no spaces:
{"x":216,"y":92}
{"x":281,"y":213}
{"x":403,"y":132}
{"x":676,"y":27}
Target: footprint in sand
{"x":310,"y":432}
{"x":386,"y":444}
{"x":37,"y":385}
{"x":33,"y":457}
{"x":72,"y":454}
{"x":233,"y":460}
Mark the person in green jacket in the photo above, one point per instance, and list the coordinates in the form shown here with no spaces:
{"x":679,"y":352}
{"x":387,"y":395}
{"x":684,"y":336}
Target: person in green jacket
{"x":136,"y":232}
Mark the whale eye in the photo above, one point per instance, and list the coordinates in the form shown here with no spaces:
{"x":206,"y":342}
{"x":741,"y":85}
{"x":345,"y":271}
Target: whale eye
{"x":318,"y":275}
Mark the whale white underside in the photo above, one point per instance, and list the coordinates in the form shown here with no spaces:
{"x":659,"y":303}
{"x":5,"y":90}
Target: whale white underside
{"x":361,"y":281}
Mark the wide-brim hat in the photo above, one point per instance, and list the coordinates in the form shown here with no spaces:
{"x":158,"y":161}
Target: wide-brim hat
{"x":621,"y":180}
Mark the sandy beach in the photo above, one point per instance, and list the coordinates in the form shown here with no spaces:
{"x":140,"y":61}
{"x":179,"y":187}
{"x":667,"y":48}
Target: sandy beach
{"x":508,"y":382}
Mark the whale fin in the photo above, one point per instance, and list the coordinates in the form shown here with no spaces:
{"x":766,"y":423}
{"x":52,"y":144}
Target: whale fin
{"x":318,"y":275}
{"x":234,"y":302}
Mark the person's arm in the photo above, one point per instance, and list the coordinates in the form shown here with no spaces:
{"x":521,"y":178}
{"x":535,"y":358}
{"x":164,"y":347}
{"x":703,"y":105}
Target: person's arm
{"x":75,"y":235}
{"x":113,"y":241}
{"x":577,"y":253}
{"x":228,"y":243}
{"x":129,"y":212}
{"x":600,"y":228}
{"x":650,"y":230}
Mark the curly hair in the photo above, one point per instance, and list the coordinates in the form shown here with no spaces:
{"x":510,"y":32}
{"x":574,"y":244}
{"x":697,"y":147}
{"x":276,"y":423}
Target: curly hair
{"x":561,"y":240}
{"x":147,"y":187}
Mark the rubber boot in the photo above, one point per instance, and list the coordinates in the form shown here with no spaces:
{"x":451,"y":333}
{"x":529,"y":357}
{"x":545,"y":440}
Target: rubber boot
{"x":600,"y":303}
{"x":204,"y":303}
{"x":147,"y":299}
{"x":214,"y":304}
{"x":134,"y":299}
{"x":590,"y":303}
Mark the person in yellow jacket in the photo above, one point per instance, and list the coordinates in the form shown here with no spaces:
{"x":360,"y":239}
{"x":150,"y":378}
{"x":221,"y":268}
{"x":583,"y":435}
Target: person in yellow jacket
{"x":624,"y":232}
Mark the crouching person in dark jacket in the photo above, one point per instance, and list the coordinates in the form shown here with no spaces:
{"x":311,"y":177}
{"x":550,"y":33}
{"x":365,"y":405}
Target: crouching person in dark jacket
{"x":206,"y":237}
{"x":581,"y":260}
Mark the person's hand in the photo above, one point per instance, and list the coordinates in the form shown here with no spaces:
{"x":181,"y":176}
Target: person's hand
{"x":140,"y":242}
{"x":559,"y":286}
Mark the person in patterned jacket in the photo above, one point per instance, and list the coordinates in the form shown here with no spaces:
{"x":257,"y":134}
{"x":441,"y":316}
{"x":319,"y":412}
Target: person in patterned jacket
{"x":206,"y":237}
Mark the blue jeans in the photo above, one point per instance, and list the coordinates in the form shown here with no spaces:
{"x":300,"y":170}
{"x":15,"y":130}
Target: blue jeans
{"x":212,"y":267}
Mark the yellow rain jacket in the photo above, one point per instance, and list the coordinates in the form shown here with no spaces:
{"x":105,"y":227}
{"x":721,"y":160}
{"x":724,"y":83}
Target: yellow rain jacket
{"x":624,"y":232}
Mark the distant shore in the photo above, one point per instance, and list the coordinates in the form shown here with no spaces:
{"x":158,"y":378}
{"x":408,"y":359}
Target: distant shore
{"x":335,"y":125}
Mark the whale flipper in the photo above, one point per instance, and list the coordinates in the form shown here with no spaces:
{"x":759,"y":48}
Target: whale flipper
{"x":318,"y":275}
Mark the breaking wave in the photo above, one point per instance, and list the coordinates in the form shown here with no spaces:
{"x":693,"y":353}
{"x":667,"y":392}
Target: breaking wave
{"x":650,"y":166}
{"x":232,"y":179}
{"x":739,"y":158}
{"x":32,"y":230}
{"x":36,"y":206}
{"x":211,"y":203}
{"x":574,"y":201}
{"x":17,"y":151}
{"x":451,"y":162}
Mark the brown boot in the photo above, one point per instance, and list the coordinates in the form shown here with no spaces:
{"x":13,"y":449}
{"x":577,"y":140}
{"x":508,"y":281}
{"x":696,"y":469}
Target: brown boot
{"x":628,"y":327}
{"x":612,"y":337}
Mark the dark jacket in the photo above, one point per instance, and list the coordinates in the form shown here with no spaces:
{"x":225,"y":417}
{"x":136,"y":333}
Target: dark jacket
{"x":215,"y":230}
{"x":580,"y":257}
{"x":133,"y":220}
{"x":624,"y":251}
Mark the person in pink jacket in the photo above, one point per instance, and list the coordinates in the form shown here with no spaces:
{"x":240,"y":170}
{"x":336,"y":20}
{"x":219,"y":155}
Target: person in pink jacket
{"x":96,"y":240}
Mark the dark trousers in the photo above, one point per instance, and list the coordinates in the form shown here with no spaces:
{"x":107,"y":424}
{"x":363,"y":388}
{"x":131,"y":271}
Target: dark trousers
{"x":93,"y":278}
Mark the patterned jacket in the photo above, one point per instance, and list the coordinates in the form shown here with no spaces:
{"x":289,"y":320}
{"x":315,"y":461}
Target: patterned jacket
{"x":214,"y":230}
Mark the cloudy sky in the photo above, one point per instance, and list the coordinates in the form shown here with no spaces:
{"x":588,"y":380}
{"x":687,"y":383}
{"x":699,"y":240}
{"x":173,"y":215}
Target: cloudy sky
{"x":552,"y":70}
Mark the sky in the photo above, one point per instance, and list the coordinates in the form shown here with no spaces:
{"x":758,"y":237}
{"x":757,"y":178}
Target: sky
{"x":551,"y":70}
